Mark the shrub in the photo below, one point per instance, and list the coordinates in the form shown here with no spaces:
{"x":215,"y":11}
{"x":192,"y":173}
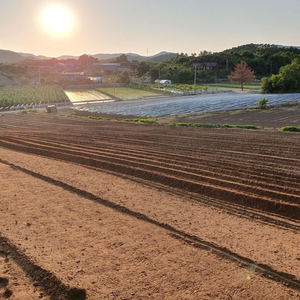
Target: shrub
{"x":291,"y":129}
{"x":262,"y":103}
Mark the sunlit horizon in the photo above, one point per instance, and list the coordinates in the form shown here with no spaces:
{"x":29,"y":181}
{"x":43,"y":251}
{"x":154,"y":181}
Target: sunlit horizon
{"x":75,"y":27}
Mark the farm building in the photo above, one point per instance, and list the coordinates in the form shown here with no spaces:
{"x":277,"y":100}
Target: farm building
{"x":71,"y":76}
{"x":206,"y":66}
{"x":113,"y":68}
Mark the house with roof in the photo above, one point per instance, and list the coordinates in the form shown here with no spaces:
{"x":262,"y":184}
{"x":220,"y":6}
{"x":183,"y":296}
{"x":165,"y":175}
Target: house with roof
{"x":206,"y":66}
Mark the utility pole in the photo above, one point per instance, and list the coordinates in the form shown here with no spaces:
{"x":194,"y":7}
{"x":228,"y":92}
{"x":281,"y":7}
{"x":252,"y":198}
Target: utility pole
{"x":271,"y":69}
{"x":195,"y":76}
{"x":227,"y":64}
{"x":39,"y":75}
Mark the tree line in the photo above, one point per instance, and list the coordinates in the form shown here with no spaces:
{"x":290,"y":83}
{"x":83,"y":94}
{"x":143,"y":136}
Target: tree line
{"x":263,"y":59}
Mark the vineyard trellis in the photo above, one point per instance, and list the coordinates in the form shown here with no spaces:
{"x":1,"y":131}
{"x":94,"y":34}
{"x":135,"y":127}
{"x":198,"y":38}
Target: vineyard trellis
{"x":22,"y":95}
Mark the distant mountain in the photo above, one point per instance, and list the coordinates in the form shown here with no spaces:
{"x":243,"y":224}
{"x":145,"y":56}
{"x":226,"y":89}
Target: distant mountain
{"x":257,"y":47}
{"x":63,"y":57}
{"x":162,"y":56}
{"x":7,"y":56}
{"x":32,"y":56}
{"x":250,"y":47}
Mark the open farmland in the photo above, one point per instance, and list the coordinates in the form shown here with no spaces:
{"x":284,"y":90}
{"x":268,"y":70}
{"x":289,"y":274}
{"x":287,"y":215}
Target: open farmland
{"x":128,"y":93}
{"x":175,"y":106}
{"x":17,"y":95}
{"x":130,"y":211}
{"x":85,"y":95}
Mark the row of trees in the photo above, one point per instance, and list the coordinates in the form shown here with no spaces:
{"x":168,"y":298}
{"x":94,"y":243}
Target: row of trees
{"x":263,"y":59}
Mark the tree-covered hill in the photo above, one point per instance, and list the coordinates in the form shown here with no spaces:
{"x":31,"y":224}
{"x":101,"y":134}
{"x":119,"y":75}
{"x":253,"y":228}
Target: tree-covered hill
{"x":263,"y":59}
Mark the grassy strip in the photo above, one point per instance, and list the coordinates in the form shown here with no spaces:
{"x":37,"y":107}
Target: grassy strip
{"x":24,"y":112}
{"x":198,"y":125}
{"x":97,"y":118}
{"x":291,"y":129}
{"x":141,"y":121}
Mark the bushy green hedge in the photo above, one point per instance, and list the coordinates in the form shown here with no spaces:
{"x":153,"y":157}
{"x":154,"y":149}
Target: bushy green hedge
{"x":287,"y":81}
{"x":291,"y":129}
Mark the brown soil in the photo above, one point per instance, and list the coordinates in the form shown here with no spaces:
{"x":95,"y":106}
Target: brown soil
{"x":128,"y":211}
{"x":270,"y":118}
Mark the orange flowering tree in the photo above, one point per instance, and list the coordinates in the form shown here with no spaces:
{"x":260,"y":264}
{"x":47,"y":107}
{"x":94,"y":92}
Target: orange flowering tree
{"x":242,"y":74}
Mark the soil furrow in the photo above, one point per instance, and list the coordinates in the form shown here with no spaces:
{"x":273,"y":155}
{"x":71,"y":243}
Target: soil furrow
{"x":233,"y":196}
{"x":244,"y":262}
{"x":223,"y":174}
{"x":253,"y":190}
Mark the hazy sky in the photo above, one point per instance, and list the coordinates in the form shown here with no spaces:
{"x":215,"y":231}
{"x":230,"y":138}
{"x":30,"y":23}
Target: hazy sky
{"x":113,"y":26}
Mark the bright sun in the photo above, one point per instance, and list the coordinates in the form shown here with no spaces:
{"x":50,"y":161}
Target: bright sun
{"x":57,"y":19}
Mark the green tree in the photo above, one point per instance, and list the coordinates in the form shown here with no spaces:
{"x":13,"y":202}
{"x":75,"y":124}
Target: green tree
{"x":154,"y":73}
{"x":121,"y":59}
{"x":124,"y":77}
{"x":287,"y":81}
{"x":24,"y":80}
{"x":185,"y":75}
{"x":142,"y":68}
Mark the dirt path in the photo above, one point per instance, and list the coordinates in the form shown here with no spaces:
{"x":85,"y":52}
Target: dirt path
{"x":130,"y":212}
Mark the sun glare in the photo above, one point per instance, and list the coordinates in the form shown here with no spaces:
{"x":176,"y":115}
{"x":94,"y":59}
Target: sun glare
{"x":57,"y":19}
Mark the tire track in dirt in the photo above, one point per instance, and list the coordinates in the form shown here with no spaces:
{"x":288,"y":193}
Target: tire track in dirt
{"x":244,"y":262}
{"x":291,"y":210}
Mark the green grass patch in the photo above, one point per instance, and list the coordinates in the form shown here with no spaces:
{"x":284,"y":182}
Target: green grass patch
{"x":97,"y":118}
{"x":141,"y":121}
{"x":25,"y":112}
{"x":291,"y":129}
{"x":64,"y":115}
{"x":242,"y":126}
{"x":198,"y":125}
{"x":195,"y":125}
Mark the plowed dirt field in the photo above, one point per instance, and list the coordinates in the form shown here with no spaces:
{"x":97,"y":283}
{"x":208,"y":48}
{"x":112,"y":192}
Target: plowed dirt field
{"x":110,"y":210}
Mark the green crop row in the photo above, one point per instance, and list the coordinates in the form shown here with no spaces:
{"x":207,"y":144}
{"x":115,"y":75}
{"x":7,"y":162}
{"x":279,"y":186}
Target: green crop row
{"x":18,"y":95}
{"x":198,"y":125}
{"x":291,"y":128}
{"x":141,"y":121}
